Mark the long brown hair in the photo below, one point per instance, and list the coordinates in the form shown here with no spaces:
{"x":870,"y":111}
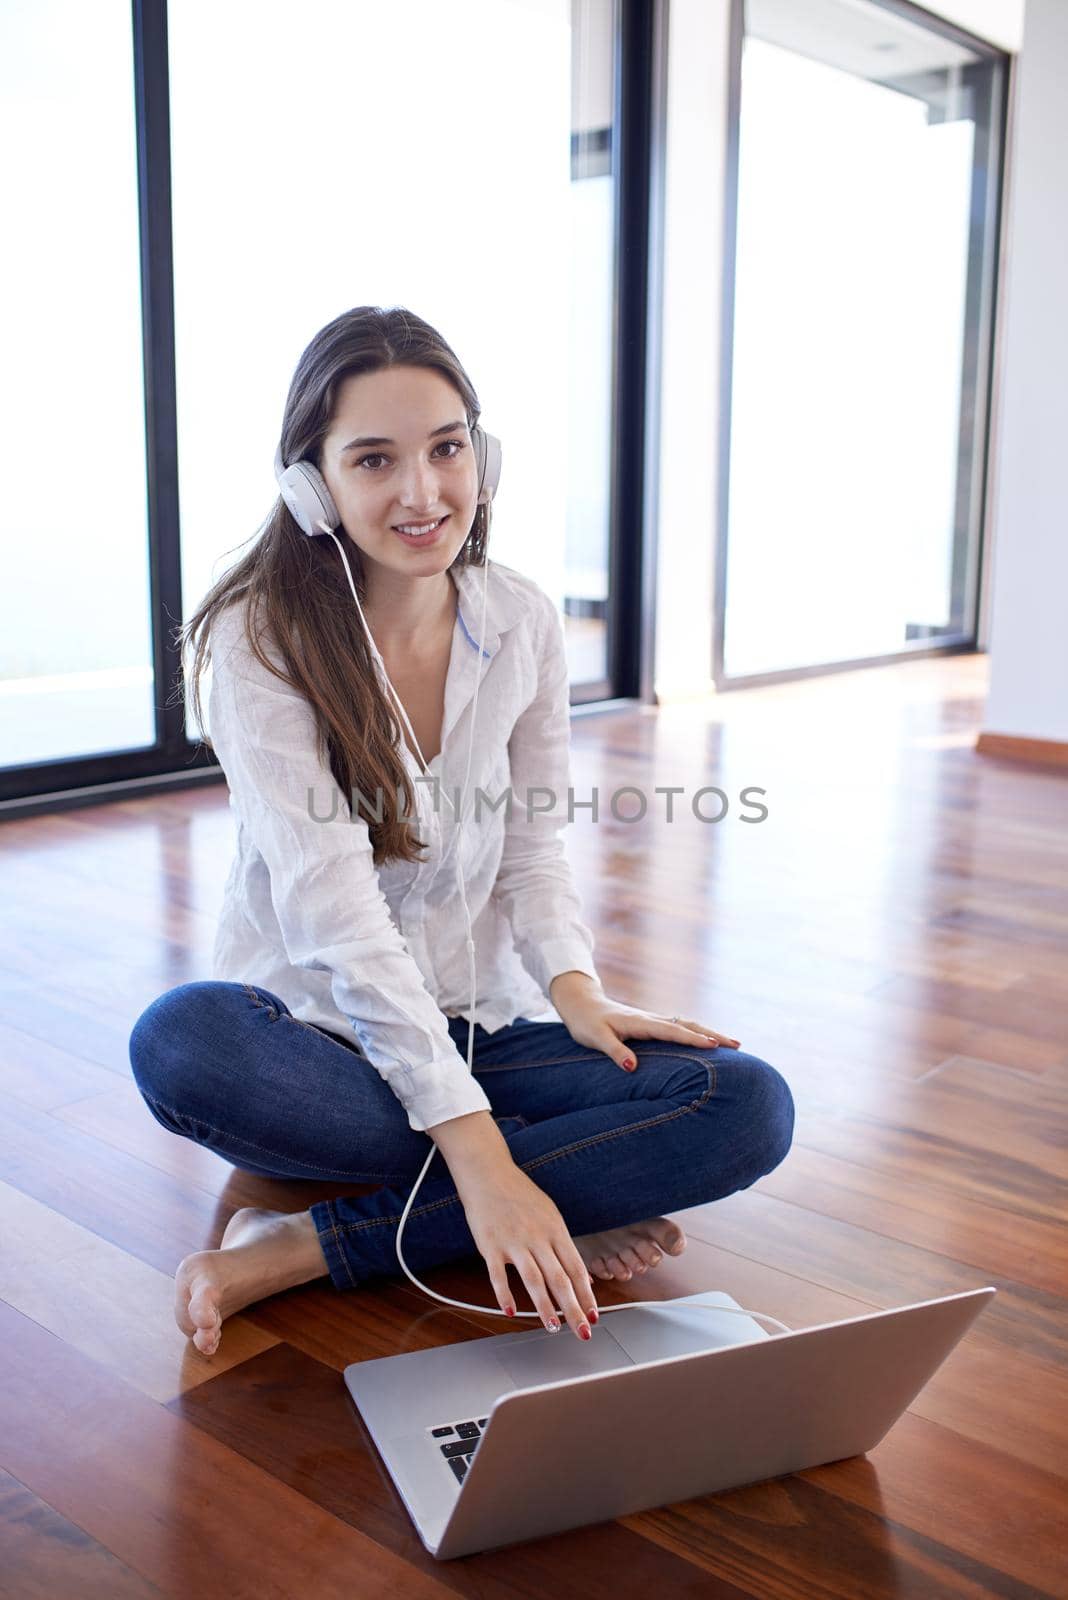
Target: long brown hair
{"x":294,"y":589}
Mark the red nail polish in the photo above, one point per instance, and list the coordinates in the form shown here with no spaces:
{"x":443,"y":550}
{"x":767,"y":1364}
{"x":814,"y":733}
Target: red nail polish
{"x":509,"y":1311}
{"x":629,"y":1064}
{"x":592,"y":1314}
{"x":585,"y":1333}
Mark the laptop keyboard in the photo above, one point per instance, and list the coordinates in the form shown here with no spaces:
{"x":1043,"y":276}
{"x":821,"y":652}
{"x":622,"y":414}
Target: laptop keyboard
{"x":459,"y":1441}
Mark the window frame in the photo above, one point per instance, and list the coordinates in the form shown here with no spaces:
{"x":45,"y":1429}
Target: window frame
{"x":972,"y":511}
{"x":176,"y":762}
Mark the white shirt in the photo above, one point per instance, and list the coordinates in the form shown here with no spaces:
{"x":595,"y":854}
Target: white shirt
{"x":382,"y":952}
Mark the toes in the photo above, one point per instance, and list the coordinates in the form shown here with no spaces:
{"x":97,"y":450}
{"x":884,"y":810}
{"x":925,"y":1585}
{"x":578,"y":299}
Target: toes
{"x":669,"y":1236}
{"x":207,"y":1340}
{"x":646,"y":1248}
{"x":205,"y":1316}
{"x":202,"y":1308}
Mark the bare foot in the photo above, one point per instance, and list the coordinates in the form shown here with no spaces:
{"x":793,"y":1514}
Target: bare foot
{"x":262,"y":1253}
{"x":618,"y":1252}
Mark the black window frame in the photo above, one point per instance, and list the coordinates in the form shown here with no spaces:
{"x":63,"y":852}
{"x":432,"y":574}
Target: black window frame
{"x":176,"y":762}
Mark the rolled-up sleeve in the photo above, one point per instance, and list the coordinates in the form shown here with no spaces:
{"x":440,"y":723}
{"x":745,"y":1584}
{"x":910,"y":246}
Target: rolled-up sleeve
{"x":534,"y":885}
{"x":331,"y":911}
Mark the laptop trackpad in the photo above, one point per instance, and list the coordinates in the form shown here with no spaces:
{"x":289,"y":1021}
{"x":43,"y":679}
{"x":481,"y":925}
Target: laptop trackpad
{"x":536,"y":1358}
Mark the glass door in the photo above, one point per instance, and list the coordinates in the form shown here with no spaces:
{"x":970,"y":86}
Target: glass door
{"x":76,"y":666}
{"x":594,"y":153}
{"x":165,"y":281}
{"x":530,"y":314}
{"x":867,"y":200}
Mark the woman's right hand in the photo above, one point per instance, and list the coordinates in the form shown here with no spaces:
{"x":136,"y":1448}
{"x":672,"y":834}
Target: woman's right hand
{"x":512,"y":1220}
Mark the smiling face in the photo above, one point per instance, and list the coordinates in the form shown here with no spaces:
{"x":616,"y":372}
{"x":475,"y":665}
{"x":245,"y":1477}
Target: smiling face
{"x":399,"y":453}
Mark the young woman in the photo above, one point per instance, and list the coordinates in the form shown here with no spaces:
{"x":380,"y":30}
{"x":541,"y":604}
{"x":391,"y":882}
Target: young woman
{"x":328,"y":1043}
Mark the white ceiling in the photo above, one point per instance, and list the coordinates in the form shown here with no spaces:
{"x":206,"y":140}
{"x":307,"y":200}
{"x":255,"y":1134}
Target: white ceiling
{"x":1001,"y":22}
{"x":873,"y":41}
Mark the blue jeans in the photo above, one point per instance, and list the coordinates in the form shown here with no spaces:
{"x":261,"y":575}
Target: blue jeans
{"x":228,"y":1065}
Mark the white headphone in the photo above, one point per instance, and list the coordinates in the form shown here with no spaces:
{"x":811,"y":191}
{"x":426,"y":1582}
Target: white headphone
{"x":307,"y":496}
{"x":304,"y":490}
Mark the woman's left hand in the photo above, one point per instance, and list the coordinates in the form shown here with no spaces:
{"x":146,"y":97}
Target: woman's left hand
{"x":594,"y":1019}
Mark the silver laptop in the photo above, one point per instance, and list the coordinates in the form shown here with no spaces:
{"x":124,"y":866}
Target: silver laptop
{"x":507,"y":1438}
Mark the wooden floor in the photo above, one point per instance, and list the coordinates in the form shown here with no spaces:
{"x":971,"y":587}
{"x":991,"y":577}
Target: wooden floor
{"x":893,"y":937}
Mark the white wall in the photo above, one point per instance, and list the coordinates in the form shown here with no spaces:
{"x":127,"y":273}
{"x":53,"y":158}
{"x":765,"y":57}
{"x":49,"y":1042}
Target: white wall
{"x":1028,"y":639}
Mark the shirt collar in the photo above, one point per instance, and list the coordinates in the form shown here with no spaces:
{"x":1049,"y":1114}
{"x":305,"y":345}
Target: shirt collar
{"x":504,"y":605}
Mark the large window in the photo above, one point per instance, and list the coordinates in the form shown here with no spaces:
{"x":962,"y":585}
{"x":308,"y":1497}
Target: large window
{"x":195,"y":191}
{"x":76,"y":673}
{"x":592,"y":291}
{"x":867,"y":203}
{"x":467,"y":207}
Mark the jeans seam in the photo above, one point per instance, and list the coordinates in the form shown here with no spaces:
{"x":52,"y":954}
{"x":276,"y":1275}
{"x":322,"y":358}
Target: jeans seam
{"x":337,"y":1242}
{"x":564,"y":1061}
{"x":298,"y":1022}
{"x":517,"y":1066}
{"x":257,"y":1000}
{"x":275,"y":1015}
{"x":555,"y":1155}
